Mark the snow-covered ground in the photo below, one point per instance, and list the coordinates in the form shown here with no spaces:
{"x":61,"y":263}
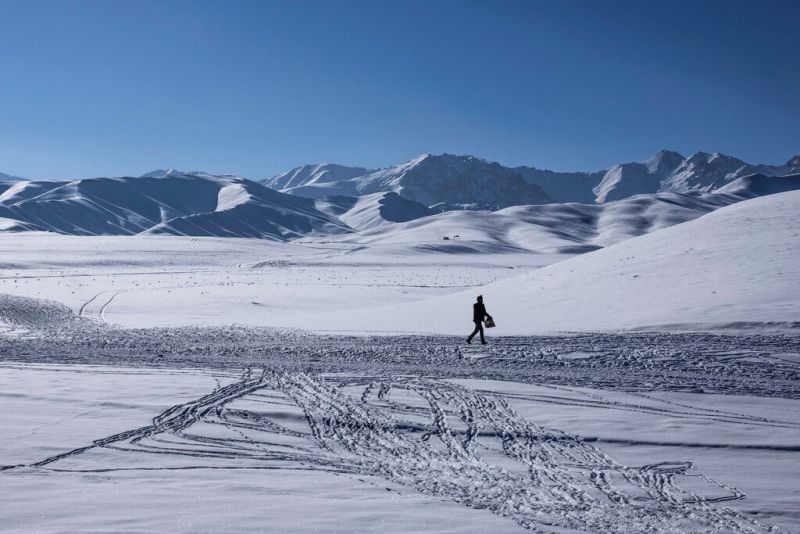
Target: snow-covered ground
{"x":735,"y":267}
{"x":164,"y":281}
{"x":182,"y":480}
{"x":255,"y":430}
{"x":130,"y":403}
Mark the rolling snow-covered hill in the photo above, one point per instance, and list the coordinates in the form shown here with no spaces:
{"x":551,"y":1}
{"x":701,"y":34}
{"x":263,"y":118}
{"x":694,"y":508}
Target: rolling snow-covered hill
{"x":175,"y":203}
{"x":734,"y":267}
{"x":710,"y":271}
{"x":567,"y":228}
{"x":550,"y":228}
{"x":373,"y":211}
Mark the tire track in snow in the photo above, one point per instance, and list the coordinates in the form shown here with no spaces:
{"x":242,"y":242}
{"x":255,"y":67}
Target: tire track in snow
{"x":95,"y":307}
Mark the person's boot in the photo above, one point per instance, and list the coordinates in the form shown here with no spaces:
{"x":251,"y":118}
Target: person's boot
{"x":469,"y":341}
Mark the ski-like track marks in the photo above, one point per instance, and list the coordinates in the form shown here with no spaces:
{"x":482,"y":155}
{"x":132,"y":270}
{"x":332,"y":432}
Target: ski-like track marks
{"x":95,"y":307}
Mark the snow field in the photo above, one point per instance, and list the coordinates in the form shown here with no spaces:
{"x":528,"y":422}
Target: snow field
{"x":584,"y":434}
{"x":52,"y":409}
{"x":275,"y":445}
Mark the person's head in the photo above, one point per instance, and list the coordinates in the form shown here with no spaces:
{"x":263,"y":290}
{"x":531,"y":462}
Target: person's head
{"x":480,"y":298}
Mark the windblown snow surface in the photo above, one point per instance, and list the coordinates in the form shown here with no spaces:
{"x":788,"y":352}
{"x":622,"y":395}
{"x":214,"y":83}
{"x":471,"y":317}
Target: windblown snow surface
{"x":168,"y":383}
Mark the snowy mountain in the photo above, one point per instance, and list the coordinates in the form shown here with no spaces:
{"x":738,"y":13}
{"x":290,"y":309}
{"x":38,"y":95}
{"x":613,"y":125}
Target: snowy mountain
{"x":665,"y":171}
{"x":446,"y":181}
{"x":199,"y":204}
{"x":669,"y":171}
{"x":709,"y":172}
{"x":314,"y":174}
{"x":454,"y":180}
{"x":163,"y":173}
{"x":174,"y":203}
{"x":514,"y":213}
{"x":622,"y":181}
{"x":563,"y":186}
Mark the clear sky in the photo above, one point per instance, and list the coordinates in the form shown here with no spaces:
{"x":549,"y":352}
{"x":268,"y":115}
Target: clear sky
{"x":115,"y":88}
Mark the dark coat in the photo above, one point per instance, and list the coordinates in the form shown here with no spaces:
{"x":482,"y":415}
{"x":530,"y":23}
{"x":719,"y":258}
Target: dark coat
{"x":478,"y":312}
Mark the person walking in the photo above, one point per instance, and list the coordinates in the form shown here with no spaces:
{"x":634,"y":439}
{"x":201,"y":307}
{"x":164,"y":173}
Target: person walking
{"x":478,"y":315}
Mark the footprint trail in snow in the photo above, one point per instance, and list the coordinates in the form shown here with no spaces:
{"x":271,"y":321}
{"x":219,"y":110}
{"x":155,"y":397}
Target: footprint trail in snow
{"x":430,"y":435}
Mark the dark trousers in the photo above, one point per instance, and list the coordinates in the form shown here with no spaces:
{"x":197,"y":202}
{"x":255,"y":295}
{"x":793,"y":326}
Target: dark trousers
{"x":478,"y":328}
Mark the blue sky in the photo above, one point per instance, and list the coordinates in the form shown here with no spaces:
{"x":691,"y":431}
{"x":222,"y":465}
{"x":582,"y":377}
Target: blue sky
{"x":120,"y":88}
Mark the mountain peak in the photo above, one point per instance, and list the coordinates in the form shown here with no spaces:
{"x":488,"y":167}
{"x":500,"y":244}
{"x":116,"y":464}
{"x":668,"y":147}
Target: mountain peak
{"x":664,"y":160}
{"x":314,"y":174}
{"x":664,"y":152}
{"x":419,"y":159}
{"x":163,"y":173}
{"x":459,"y":161}
{"x":714,"y":157}
{"x":462,"y":157}
{"x":175,"y":173}
{"x":699,"y":156}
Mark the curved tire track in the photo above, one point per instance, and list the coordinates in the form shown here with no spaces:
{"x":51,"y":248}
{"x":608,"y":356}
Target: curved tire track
{"x":95,"y":307}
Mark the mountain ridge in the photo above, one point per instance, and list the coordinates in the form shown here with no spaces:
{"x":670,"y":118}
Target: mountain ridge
{"x":462,"y":182}
{"x":665,"y":171}
{"x":172,"y":202}
{"x":194,"y":204}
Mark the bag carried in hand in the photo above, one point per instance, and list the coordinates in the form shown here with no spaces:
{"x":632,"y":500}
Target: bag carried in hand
{"x":489,"y":322}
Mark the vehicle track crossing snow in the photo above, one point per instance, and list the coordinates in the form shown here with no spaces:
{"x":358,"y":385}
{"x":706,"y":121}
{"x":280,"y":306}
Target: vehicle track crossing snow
{"x":95,"y":307}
